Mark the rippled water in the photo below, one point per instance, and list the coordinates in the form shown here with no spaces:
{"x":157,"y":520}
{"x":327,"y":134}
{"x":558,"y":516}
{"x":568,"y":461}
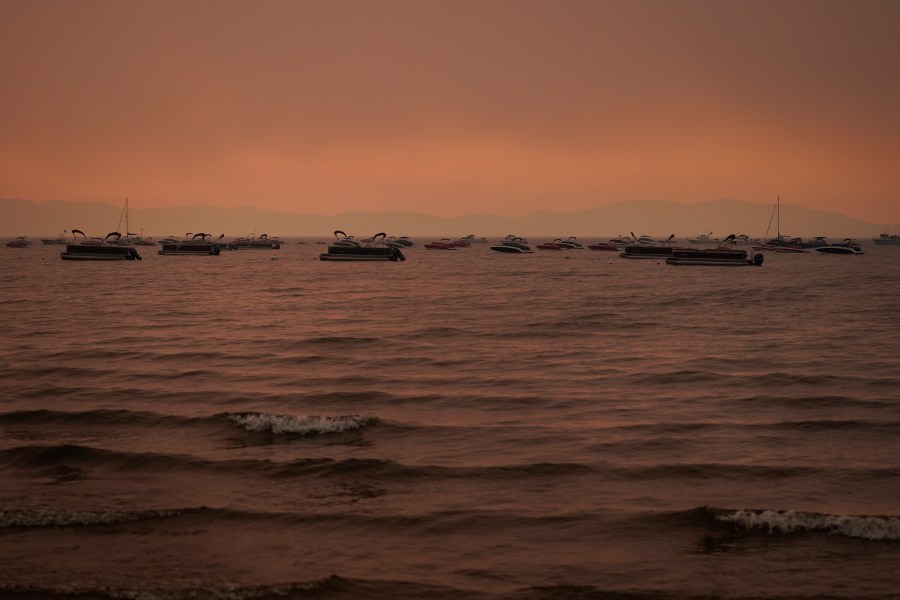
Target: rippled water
{"x":461,"y":425}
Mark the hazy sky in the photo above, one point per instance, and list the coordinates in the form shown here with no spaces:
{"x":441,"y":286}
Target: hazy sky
{"x":449,"y":107}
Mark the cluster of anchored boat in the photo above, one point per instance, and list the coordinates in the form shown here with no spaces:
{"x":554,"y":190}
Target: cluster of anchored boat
{"x":115,"y":246}
{"x":380,"y":247}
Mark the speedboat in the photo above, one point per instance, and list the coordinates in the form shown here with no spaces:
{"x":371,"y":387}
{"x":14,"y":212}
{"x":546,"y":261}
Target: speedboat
{"x":848,"y":246}
{"x":704,"y":238}
{"x":199,"y":244}
{"x":19,"y":242}
{"x":106,"y":248}
{"x":345,"y":248}
{"x":556,"y":244}
{"x":645,"y":247}
{"x":263,"y":242}
{"x":887,"y":239}
{"x":607,"y":246}
{"x":471,"y":239}
{"x":512,"y":244}
{"x":572,"y":244}
{"x":444,"y":244}
{"x":58,"y":240}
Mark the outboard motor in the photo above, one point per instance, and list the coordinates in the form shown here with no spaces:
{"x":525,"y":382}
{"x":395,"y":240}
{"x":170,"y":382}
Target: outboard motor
{"x":758,"y":259}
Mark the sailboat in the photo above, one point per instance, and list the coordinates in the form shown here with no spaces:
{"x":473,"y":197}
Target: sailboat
{"x":133,"y":238}
{"x":780,"y":243}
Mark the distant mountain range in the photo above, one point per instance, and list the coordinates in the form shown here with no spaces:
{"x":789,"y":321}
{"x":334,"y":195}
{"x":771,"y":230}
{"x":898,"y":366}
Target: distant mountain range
{"x":656,"y":218}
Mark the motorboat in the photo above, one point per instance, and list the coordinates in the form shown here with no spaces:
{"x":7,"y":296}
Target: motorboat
{"x":571,"y":243}
{"x":471,"y":239}
{"x":107,"y":248}
{"x":704,"y":238}
{"x":197,"y":244}
{"x":554,"y":245}
{"x":58,"y":240}
{"x":646,"y":247}
{"x":848,"y":246}
{"x":444,"y":244}
{"x":512,"y":244}
{"x":723,"y":254}
{"x":19,"y":242}
{"x":263,"y":242}
{"x":622,"y":240}
{"x":605,"y":246}
{"x":887,"y":239}
{"x":345,"y":248}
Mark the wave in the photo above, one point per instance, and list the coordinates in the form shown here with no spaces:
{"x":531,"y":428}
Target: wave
{"x":299,"y":425}
{"x":878,"y":528}
{"x":332,"y":587}
{"x":884,"y":528}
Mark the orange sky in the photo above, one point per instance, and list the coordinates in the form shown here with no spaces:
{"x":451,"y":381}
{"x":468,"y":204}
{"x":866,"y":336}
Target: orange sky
{"x":449,"y":107}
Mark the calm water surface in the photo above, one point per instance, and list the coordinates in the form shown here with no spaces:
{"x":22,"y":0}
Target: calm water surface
{"x":461,"y":425}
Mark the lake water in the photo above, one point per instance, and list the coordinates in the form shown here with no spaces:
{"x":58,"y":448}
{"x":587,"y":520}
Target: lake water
{"x":466,"y":425}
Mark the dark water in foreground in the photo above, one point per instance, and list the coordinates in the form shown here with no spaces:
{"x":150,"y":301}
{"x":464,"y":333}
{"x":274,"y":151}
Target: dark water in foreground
{"x":462,"y":425}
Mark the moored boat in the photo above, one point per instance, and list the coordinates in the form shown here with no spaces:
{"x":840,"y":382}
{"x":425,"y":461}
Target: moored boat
{"x":99,"y":248}
{"x":444,"y":244}
{"x":58,"y":240}
{"x":847,"y":246}
{"x":887,"y":239}
{"x":722,"y":255}
{"x":605,"y":246}
{"x":512,"y":244}
{"x":345,"y":248}
{"x":646,"y":251}
{"x":471,"y":239}
{"x":199,"y":244}
{"x":19,"y":242}
{"x":251,"y":242}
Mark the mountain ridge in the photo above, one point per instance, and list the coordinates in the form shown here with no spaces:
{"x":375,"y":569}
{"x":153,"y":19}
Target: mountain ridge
{"x":658,"y":218}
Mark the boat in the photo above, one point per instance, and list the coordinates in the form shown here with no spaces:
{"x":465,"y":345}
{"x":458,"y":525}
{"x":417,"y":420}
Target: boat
{"x":19,"y":242}
{"x":847,"y":246}
{"x":197,"y":244}
{"x":605,"y":246}
{"x":782,"y":244}
{"x":58,"y":240}
{"x":724,"y":254}
{"x":622,"y":240}
{"x":471,"y":239}
{"x":512,"y":244}
{"x":345,"y":248}
{"x":887,"y":239}
{"x":571,"y":243}
{"x":646,"y":247}
{"x":99,"y":248}
{"x":704,"y":238}
{"x":646,"y":251}
{"x":554,"y":245}
{"x":444,"y":244}
{"x":132,"y":238}
{"x":263,"y":242}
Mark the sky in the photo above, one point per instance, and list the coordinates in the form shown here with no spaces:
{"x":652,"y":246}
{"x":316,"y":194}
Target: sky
{"x":452,"y":107}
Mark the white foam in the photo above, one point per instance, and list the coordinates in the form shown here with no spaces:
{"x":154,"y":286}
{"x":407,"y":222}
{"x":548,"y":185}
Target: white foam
{"x":304,"y":425}
{"x":66,"y":518}
{"x":789,"y":521}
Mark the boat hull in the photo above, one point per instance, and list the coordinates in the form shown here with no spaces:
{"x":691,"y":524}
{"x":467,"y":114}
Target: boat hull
{"x":186,"y":250}
{"x":647,"y":252}
{"x":713,"y":258}
{"x":839,"y":250}
{"x":99,"y":252}
{"x":362,"y":254}
{"x":510,"y":249}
